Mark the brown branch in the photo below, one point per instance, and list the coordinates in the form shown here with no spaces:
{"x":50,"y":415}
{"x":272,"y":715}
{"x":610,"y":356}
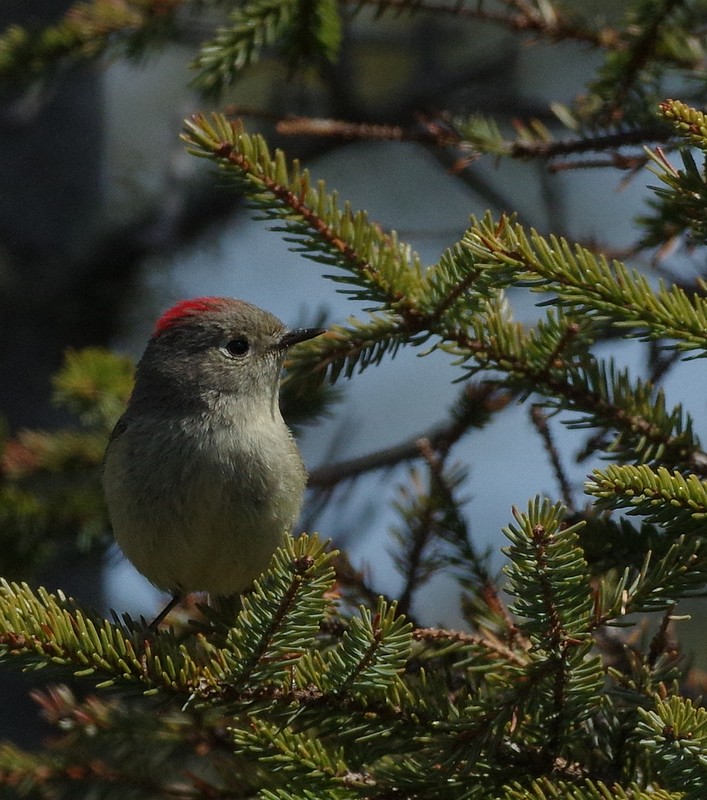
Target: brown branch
{"x":557,"y":385}
{"x":525,"y":19}
{"x":640,"y":51}
{"x":484,"y":642}
{"x":539,"y":420}
{"x":441,"y":437}
{"x":441,"y":133}
{"x":608,"y":141}
{"x":341,"y":129}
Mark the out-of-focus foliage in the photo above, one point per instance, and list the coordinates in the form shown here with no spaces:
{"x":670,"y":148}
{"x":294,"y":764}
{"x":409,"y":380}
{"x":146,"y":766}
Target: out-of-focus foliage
{"x":49,"y":480}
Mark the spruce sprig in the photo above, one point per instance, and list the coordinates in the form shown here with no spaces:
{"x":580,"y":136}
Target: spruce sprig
{"x":674,"y":732}
{"x":549,"y":579}
{"x":553,"y":359}
{"x":39,"y":629}
{"x":251,"y":27}
{"x":659,"y":582}
{"x":689,"y":122}
{"x":678,"y":207}
{"x":669,"y":498}
{"x":280,"y":618}
{"x":85,"y":32}
{"x":372,"y":652}
{"x":458,"y":302}
{"x":387,"y":271}
{"x":591,"y":286}
{"x":300,"y":756}
{"x":304,"y":31}
{"x":548,"y":789}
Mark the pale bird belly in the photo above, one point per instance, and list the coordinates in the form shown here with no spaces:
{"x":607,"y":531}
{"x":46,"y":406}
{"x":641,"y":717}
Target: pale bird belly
{"x":222,"y":552}
{"x":211,"y":531}
{"x":209,"y":542}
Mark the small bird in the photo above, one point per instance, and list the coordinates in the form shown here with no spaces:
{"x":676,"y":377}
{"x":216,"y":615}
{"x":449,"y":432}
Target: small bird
{"x":202,"y":477}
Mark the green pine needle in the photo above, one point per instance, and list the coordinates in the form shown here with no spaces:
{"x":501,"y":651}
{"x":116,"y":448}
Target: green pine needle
{"x":674,"y":732}
{"x":280,"y":617}
{"x":590,"y":286}
{"x":39,"y":629}
{"x":661,"y":496}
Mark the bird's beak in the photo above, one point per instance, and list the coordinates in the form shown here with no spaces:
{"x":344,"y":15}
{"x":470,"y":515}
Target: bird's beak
{"x":299,"y":335}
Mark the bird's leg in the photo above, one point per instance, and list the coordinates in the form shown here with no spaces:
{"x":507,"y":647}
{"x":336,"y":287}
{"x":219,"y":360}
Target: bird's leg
{"x":176,"y":598}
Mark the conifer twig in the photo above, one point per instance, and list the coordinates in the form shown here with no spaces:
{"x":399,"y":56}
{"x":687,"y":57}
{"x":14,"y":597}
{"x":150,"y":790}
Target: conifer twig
{"x":485,"y":642}
{"x":440,"y":437}
{"x":554,"y":26}
{"x":641,"y":50}
{"x":431,"y":132}
{"x":556,"y":384}
{"x":539,"y":420}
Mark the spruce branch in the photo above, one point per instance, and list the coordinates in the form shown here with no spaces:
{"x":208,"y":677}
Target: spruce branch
{"x":116,"y":747}
{"x":541,"y":19}
{"x":39,"y":629}
{"x":370,"y":656}
{"x":387,"y":270}
{"x":86,"y":31}
{"x":457,"y":298}
{"x":678,"y":208}
{"x":49,"y":488}
{"x":477,"y":135}
{"x":660,"y":581}
{"x":563,"y":789}
{"x":277,"y":623}
{"x":605,"y":397}
{"x":589,"y":285}
{"x":94,"y":384}
{"x":674,"y":732}
{"x":344,"y":351}
{"x":450,"y":641}
{"x":689,"y":122}
{"x":298,"y":756}
{"x":647,"y":39}
{"x":672,"y":568}
{"x":665,"y":497}
{"x":547,"y":575}
{"x":302,"y":30}
{"x":251,"y":27}
{"x":280,"y":618}
{"x":32,"y":453}
{"x":549,"y":580}
{"x":411,"y":304}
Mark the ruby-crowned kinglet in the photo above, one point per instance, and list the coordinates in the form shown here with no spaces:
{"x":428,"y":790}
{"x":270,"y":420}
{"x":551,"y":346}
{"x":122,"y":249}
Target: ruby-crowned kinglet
{"x":202,"y":477}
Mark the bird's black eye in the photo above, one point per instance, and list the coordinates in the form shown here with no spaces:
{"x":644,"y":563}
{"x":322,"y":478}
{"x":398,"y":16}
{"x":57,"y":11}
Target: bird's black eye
{"x":238,"y":346}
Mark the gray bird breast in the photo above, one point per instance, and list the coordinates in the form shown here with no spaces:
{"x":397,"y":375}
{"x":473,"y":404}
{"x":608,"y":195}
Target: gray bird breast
{"x":203,"y":512}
